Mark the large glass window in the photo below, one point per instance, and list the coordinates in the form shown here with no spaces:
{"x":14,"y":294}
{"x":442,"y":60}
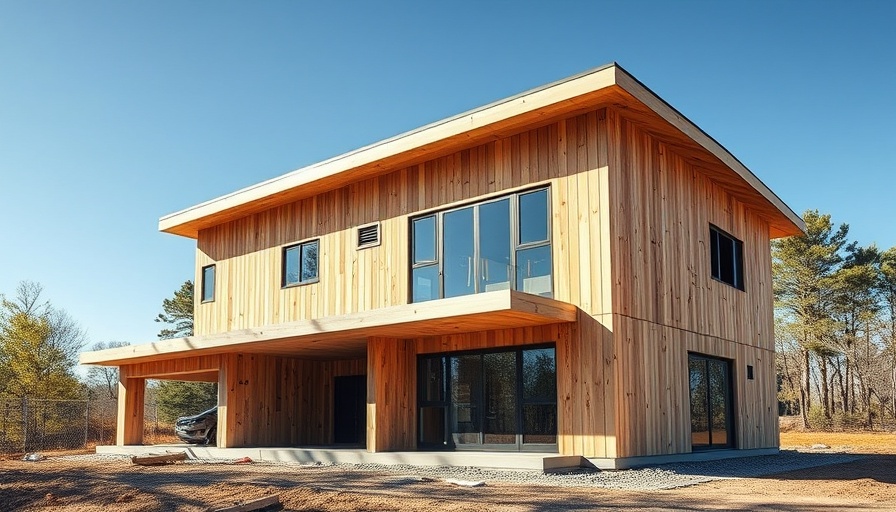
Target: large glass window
{"x":495,"y":245}
{"x":300,"y":263}
{"x":711,"y":407}
{"x":497,"y":399}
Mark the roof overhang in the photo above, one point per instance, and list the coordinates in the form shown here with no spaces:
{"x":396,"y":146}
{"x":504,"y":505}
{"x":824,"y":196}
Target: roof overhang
{"x":603,"y":86}
{"x":345,"y":336}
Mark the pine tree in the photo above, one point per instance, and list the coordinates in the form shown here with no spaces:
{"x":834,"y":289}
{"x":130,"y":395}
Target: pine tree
{"x":178,"y":312}
{"x":804,"y":270}
{"x":178,"y":398}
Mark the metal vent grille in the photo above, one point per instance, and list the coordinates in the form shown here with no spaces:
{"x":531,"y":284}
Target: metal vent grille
{"x":368,"y":236}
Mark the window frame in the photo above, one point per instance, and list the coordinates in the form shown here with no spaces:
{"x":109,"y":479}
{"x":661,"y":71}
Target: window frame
{"x":730,"y":396}
{"x":203,"y":288}
{"x":521,"y":401}
{"x":716,"y":235}
{"x":284,"y":260}
{"x":514,"y":249}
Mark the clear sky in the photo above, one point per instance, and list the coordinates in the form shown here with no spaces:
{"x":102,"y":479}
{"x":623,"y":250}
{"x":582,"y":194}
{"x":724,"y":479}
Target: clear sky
{"x":115,"y":113}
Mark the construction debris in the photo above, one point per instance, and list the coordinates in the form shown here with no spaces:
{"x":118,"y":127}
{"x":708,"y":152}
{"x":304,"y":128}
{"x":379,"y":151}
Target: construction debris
{"x":465,"y":483}
{"x":158,"y":460}
{"x":247,"y":506}
{"x":34,"y":457}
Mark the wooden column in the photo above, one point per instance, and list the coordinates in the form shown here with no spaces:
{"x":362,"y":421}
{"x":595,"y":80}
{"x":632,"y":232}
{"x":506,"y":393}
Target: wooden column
{"x":227,"y":398}
{"x":131,"y":393}
{"x":391,"y":395}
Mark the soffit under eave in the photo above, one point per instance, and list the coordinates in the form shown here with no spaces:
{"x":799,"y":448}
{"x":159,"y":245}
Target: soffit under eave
{"x":782,"y":220}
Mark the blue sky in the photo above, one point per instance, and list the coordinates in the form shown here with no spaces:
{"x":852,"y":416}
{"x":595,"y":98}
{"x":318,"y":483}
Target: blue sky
{"x":115,"y":113}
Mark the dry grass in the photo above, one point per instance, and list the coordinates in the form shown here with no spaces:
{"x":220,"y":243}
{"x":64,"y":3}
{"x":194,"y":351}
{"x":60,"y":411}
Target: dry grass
{"x":859,"y":442}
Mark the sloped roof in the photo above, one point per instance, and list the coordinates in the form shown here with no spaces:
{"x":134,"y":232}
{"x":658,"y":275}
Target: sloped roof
{"x":606,"y":85}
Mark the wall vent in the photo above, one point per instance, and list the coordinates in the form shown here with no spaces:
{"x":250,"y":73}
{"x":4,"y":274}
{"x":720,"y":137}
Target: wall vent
{"x":368,"y":236}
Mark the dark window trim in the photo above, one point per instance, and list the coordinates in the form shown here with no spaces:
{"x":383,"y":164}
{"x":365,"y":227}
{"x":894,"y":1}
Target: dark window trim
{"x":521,"y":401}
{"x":204,"y":285}
{"x":731,"y":424}
{"x":738,"y":256}
{"x":515,"y":246}
{"x":316,"y":279}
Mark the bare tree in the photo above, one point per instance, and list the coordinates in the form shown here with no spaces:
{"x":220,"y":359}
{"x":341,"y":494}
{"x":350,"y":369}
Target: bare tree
{"x":105,"y":378}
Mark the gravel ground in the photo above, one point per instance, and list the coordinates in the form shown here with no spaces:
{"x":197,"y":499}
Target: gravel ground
{"x":651,"y":478}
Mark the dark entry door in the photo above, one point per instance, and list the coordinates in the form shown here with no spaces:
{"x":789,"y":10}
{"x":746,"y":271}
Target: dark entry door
{"x":711,"y":404}
{"x":350,"y":406}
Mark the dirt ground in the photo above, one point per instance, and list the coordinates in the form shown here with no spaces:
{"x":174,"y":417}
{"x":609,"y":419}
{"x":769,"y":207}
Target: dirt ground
{"x":54,"y":485}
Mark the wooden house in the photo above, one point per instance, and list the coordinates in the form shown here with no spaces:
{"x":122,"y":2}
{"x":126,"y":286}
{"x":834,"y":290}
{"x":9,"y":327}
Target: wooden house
{"x":577,"y":270}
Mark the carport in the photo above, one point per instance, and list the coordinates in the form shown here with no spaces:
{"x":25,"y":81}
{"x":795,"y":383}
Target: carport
{"x":277,"y":384}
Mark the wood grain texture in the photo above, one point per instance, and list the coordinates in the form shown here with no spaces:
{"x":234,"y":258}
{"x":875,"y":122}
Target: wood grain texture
{"x":342,"y":336}
{"x":666,"y":304}
{"x":278,"y":401}
{"x":589,"y":91}
{"x":248,"y":251}
{"x":131,"y":396}
{"x":391,"y":395}
{"x":631,"y":205}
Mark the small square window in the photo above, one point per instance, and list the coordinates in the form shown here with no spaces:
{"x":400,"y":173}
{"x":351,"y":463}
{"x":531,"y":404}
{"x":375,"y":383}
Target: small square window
{"x":727,"y":257}
{"x":750,"y":372}
{"x":208,"y":283}
{"x":300,"y":263}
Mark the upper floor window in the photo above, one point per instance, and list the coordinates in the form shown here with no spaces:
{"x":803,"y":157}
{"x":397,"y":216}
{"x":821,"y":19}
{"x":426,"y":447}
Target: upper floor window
{"x":300,"y":263}
{"x":498,"y":244}
{"x":208,"y":283}
{"x":727,"y":255}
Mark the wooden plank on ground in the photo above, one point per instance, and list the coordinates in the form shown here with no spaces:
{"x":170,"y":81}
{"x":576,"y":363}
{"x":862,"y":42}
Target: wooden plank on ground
{"x":248,"y":506}
{"x":157,"y":460}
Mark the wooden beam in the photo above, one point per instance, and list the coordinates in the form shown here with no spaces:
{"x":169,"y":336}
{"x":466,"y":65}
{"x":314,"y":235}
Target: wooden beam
{"x":331,"y":336}
{"x":131,"y":393}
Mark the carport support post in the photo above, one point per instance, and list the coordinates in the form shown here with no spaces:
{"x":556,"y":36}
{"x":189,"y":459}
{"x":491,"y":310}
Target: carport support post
{"x":391,"y":394}
{"x":131,"y":396}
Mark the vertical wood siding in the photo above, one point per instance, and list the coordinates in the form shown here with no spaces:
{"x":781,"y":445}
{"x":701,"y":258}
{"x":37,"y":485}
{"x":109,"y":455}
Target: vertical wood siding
{"x":665,"y":302}
{"x":630,"y":226}
{"x":279,"y":401}
{"x":584,"y":383}
{"x":570,"y":155}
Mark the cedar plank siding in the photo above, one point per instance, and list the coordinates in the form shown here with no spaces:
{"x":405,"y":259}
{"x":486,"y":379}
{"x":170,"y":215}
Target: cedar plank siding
{"x":630,"y":225}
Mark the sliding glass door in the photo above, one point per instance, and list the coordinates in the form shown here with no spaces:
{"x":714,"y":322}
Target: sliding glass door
{"x":489,"y":400}
{"x":711,"y":403}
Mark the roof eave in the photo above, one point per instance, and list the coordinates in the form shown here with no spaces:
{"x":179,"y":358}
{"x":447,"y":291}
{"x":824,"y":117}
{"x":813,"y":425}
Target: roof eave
{"x":466,"y":129}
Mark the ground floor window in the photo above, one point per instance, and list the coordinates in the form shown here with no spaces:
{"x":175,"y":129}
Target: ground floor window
{"x":711,"y":404}
{"x":489,"y":400}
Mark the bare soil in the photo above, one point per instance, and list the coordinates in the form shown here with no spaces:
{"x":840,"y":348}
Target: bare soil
{"x":58,"y":485}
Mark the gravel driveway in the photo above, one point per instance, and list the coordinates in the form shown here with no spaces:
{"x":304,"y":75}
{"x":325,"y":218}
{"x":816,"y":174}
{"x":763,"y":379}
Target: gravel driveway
{"x":651,"y":478}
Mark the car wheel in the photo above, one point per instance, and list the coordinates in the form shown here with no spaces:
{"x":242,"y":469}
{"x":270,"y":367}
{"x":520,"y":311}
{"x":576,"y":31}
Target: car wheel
{"x":212,"y":437}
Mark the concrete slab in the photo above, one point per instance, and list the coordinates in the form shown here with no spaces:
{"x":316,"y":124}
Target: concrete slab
{"x":492,"y":460}
{"x":698,"y":456}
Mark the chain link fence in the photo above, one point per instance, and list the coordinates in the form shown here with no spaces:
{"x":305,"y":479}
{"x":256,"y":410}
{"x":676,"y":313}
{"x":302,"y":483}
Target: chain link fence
{"x":30,"y":425}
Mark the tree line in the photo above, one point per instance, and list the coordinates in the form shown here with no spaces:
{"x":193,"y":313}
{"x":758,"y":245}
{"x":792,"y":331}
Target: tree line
{"x":40,"y":343}
{"x":835,"y":327}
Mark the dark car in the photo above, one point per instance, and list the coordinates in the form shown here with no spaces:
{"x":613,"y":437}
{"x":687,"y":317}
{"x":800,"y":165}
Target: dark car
{"x":199,"y":429}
